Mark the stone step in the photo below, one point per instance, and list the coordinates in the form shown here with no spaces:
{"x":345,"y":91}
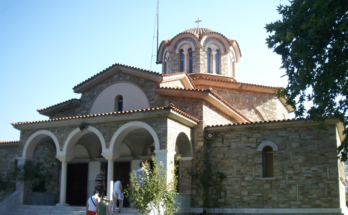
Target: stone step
{"x":55,"y":210}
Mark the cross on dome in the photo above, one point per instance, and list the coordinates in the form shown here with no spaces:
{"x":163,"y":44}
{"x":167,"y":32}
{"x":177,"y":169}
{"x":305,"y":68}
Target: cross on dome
{"x":198,"y":21}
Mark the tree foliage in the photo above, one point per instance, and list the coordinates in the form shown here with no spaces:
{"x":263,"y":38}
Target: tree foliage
{"x":154,"y":193}
{"x":312,"y":40}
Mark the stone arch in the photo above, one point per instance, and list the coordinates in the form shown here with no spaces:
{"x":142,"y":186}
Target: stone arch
{"x":76,"y":134}
{"x":122,"y":132}
{"x":34,"y":139}
{"x":257,"y":110}
{"x":133,"y":98}
{"x":182,"y":36}
{"x":213,"y":42}
{"x":222,"y":40}
{"x":267,"y":143}
{"x":183,"y":135}
{"x":182,"y":43}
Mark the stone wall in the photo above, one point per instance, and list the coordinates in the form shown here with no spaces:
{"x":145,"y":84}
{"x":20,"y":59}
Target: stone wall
{"x":258,"y":106}
{"x":213,"y":116}
{"x":305,"y":167}
{"x":8,"y":154}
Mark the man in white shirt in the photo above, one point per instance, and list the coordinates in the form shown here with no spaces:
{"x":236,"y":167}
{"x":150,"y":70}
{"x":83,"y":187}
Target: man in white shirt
{"x":92,"y":203}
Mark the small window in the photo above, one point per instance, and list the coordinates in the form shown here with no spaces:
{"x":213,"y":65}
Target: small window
{"x":267,"y":161}
{"x":208,"y":59}
{"x":119,"y":103}
{"x":182,"y":61}
{"x":217,"y":61}
{"x":190,"y":60}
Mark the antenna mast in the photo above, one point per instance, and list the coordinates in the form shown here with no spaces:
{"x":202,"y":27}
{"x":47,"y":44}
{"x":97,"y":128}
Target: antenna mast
{"x":156,"y":20}
{"x":157,"y":29}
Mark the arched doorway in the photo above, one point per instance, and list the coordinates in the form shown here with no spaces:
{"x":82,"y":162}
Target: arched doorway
{"x":85,"y":147}
{"x":39,"y":154}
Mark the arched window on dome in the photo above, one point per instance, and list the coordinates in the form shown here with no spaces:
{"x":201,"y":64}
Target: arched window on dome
{"x":267,"y":161}
{"x":217,"y":61}
{"x":119,"y":103}
{"x":182,"y":60}
{"x":190,"y":60}
{"x":208,"y":59}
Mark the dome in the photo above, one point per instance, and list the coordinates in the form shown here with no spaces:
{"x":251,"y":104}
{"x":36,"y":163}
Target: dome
{"x":198,"y":32}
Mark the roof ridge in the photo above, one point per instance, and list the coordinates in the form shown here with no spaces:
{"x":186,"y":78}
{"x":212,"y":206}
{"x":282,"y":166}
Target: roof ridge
{"x":9,"y":141}
{"x":113,"y":65}
{"x":42,"y":109}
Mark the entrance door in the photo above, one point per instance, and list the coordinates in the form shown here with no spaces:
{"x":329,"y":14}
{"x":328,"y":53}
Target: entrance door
{"x":77,"y":184}
{"x":122,"y":169}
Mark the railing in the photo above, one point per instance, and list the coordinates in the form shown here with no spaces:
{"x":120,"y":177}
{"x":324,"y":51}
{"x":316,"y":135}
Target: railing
{"x":9,"y":202}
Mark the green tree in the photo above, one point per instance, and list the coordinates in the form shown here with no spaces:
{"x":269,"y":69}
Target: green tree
{"x":154,"y":192}
{"x":312,"y":40}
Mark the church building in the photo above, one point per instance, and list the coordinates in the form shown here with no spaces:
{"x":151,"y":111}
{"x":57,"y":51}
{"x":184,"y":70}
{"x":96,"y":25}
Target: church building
{"x":260,"y":161}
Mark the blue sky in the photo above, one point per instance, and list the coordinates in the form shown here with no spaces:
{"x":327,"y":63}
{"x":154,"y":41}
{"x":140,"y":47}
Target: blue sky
{"x":48,"y":47}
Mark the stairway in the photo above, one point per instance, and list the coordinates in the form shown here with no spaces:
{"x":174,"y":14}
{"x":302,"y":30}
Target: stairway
{"x":54,"y":210}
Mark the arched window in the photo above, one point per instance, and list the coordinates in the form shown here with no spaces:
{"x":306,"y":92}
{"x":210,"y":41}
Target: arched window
{"x":217,"y":61}
{"x":208,"y":59}
{"x":182,"y":60}
{"x":267,"y":161}
{"x":119,"y":103}
{"x":190,"y":60}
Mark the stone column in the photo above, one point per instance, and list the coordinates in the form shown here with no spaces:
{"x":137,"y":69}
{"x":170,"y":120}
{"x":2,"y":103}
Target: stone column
{"x":185,"y":178}
{"x":167,"y":158}
{"x":110,"y":178}
{"x":186,"y":62}
{"x":213,"y":63}
{"x":20,"y":184}
{"x":62,"y":198}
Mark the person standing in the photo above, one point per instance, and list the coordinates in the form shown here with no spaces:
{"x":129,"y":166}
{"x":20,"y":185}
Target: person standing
{"x":140,"y":173}
{"x":92,"y":203}
{"x":103,"y":207}
{"x":100,"y":183}
{"x":118,"y":195}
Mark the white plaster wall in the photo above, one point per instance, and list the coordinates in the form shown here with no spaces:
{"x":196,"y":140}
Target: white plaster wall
{"x":281,"y":110}
{"x":93,"y":171}
{"x":133,"y":98}
{"x":80,"y":152}
{"x":124,"y":151}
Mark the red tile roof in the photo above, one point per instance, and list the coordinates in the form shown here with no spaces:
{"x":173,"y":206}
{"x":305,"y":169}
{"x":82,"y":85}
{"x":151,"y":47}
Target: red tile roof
{"x":224,"y":79}
{"x":176,"y":73}
{"x":11,"y":141}
{"x":62,"y":103}
{"x":257,"y":122}
{"x":169,"y":106}
{"x":110,"y":67}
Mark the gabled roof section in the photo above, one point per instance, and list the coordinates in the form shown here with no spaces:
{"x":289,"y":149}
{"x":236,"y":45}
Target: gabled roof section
{"x":170,"y":108}
{"x":182,"y":76}
{"x":208,"y":95}
{"x":108,"y":72}
{"x":146,"y":74}
{"x":230,"y":83}
{"x":60,"y":107}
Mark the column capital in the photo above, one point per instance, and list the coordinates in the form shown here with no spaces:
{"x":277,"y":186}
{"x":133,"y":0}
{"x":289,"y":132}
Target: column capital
{"x":185,"y":53}
{"x":110,"y":156}
{"x":165,"y":151}
{"x":65,"y":158}
{"x":213,"y":53}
